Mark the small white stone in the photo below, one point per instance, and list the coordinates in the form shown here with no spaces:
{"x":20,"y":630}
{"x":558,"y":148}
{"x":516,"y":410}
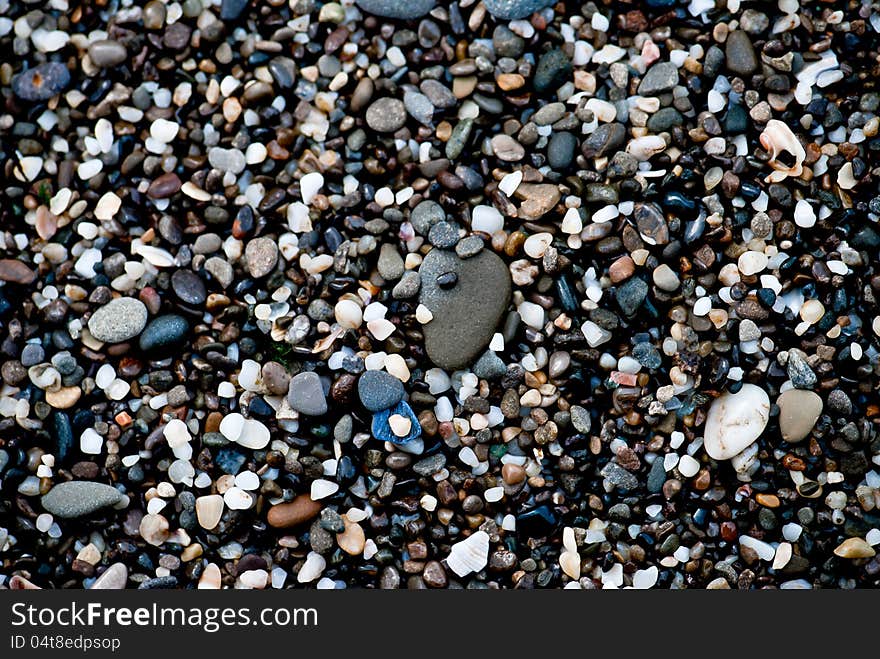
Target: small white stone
{"x":90,"y":442}
{"x":493,"y":494}
{"x":164,"y":131}
{"x":348,"y":314}
{"x":487,"y":219}
{"x":470,"y":555}
{"x":735,"y":421}
{"x":381,"y":328}
{"x":703,"y":306}
{"x":510,"y":182}
{"x":536,"y":244}
{"x":688,"y":466}
{"x":237,"y":499}
{"x":312,"y":568}
{"x":310,"y":185}
{"x":571,"y":222}
{"x":209,"y":510}
{"x":247,"y":480}
{"x":423,"y":314}
{"x":594,"y":334}
{"x":751,"y":262}
{"x":254,"y":435}
{"x":804,"y":215}
{"x":531,"y":314}
{"x":323,"y":488}
{"x":645,"y":579}
{"x":107,"y":207}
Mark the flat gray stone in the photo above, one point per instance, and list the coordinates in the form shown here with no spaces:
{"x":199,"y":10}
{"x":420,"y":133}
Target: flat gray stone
{"x":79,"y":498}
{"x":119,"y":320}
{"x":306,"y":394}
{"x":467,"y":313}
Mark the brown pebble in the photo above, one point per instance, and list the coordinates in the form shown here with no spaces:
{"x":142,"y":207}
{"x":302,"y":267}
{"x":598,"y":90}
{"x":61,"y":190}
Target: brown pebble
{"x":286,"y":515}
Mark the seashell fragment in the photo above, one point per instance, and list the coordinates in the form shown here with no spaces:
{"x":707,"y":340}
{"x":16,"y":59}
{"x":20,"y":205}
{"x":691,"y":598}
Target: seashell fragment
{"x":469,"y":555}
{"x":776,"y":139}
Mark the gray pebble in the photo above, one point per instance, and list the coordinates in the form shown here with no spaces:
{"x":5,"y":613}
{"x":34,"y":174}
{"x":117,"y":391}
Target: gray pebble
{"x":306,"y":394}
{"x":79,"y":498}
{"x":119,"y":320}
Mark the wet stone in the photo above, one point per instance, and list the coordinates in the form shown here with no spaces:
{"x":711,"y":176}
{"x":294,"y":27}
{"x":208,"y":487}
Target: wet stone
{"x":401,"y":9}
{"x":163,"y":333}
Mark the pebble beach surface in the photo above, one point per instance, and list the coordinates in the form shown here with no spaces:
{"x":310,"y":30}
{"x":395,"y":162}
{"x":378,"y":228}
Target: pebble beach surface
{"x":473,"y":294}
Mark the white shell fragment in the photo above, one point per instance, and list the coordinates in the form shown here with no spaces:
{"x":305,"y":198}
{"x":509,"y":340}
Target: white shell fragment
{"x":469,"y":555}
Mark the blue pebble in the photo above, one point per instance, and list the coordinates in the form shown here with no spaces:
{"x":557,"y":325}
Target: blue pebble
{"x":382,"y":430}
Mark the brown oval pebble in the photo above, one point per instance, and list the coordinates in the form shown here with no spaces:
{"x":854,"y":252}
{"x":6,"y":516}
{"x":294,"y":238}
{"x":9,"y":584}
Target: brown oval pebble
{"x":16,"y":272}
{"x":513,"y":474}
{"x":301,"y":509}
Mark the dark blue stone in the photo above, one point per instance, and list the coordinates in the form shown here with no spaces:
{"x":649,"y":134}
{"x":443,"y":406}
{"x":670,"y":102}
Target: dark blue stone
{"x":382,"y":430}
{"x":230,"y":460}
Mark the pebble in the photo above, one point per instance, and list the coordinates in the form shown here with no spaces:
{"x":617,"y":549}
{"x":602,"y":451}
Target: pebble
{"x":306,"y":394}
{"x":449,"y":342}
{"x":513,"y":9}
{"x":379,"y":390}
{"x":740,"y":54}
{"x":291,"y":514}
{"x":16,"y":272}
{"x":261,"y":256}
{"x":735,"y":421}
{"x":106,"y":53}
{"x":470,"y":555}
{"x":386,"y":115}
{"x":163,"y":333}
{"x":41,"y":82}
{"x":400,"y":9}
{"x":74,"y":499}
{"x":798,"y":412}
{"x":660,"y":78}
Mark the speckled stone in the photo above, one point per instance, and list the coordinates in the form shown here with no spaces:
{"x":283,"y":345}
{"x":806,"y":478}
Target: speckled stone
{"x":119,"y":320}
{"x":79,"y":498}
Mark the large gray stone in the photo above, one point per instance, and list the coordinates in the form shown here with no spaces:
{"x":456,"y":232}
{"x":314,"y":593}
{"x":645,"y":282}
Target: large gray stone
{"x":400,"y":9}
{"x":79,"y":498}
{"x":467,"y":313}
{"x":511,"y":9}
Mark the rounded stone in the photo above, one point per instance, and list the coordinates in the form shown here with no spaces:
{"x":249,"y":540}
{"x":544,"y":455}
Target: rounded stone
{"x":379,"y":390}
{"x":261,"y":256}
{"x":386,"y":115}
{"x":306,"y":394}
{"x":119,"y":320}
{"x":799,"y":410}
{"x":163,"y":333}
{"x":735,"y":421}
{"x":42,"y":82}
